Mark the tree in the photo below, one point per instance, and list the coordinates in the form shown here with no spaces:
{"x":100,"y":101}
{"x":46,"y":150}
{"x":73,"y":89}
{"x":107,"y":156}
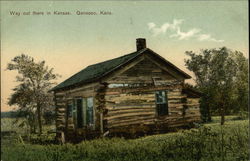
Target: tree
{"x":241,"y":83}
{"x":31,"y":94}
{"x":23,"y":97}
{"x":217,"y":73}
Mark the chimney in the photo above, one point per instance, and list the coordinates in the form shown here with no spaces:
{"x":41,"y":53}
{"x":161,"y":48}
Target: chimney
{"x":140,"y":43}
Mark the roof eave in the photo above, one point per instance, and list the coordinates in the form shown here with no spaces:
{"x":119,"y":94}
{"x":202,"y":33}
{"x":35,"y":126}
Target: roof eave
{"x":187,"y":76}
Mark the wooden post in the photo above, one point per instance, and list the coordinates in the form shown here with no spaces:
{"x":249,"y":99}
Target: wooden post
{"x":62,"y":138}
{"x":101,"y":123}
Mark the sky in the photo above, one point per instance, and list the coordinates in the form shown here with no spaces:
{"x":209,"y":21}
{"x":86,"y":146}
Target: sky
{"x":69,"y":43}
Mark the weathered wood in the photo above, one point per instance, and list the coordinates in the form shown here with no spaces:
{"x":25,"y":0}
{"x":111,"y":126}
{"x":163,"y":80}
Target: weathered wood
{"x":127,"y":107}
{"x":129,"y":114}
{"x":134,"y":103}
{"x":126,"y":123}
{"x":80,"y":88}
{"x":130,"y":119}
{"x":122,"y":69}
{"x":163,"y":67}
{"x":129,"y":110}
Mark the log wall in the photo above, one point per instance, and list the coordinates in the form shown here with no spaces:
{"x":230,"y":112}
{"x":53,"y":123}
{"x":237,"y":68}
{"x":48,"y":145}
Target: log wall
{"x":136,"y":108}
{"x":132,"y":107}
{"x":65,"y":123}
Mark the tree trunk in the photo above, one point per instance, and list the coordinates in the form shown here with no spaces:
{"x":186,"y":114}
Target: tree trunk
{"x":39,"y":118}
{"x":31,"y":129}
{"x":209,"y":119}
{"x":222,"y":111}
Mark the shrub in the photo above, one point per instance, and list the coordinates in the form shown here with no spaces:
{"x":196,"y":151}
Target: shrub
{"x":211,"y":142}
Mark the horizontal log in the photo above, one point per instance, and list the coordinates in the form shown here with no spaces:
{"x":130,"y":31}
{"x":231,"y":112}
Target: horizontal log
{"x":192,"y":115}
{"x":175,"y":101}
{"x":128,"y":115}
{"x":130,"y":119}
{"x":61,"y":109}
{"x":79,"y":88}
{"x":175,"y":105}
{"x":63,"y":103}
{"x":89,"y":93}
{"x":145,"y":117}
{"x":111,"y":93}
{"x":120,"y":104}
{"x":129,"y":108}
{"x":132,"y":123}
{"x":174,"y":97}
{"x":62,"y":94}
{"x":174,"y":93}
{"x":147,"y":89}
{"x":194,"y":104}
{"x":60,"y":119}
{"x":60,"y":112}
{"x":123,"y":97}
{"x":118,"y":112}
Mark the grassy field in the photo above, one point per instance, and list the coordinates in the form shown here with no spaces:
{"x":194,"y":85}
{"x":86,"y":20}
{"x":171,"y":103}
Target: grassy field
{"x":210,"y":142}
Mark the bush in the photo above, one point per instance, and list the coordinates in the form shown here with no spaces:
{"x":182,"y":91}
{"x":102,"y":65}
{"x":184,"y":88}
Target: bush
{"x":210,"y":142}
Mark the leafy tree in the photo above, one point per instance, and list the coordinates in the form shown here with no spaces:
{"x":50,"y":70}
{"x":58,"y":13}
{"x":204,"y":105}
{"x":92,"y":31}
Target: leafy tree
{"x":31,"y":95}
{"x":219,"y":74}
{"x":23,"y":97}
{"x":241,"y":83}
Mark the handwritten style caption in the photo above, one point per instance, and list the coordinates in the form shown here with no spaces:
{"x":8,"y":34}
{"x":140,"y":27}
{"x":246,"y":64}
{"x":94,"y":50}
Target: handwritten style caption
{"x":48,"y":13}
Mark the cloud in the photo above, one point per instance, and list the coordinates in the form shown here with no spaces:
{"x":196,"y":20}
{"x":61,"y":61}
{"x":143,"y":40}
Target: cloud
{"x":185,"y":35}
{"x":163,"y":28}
{"x":175,"y":29}
{"x":207,"y":37}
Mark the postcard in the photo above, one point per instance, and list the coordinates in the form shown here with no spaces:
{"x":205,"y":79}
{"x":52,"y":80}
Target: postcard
{"x":124,"y":80}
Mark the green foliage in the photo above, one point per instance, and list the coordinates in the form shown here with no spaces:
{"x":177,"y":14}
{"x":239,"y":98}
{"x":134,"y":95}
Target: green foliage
{"x":13,"y":114}
{"x":222,"y":76}
{"x":31,"y":95}
{"x":210,"y":142}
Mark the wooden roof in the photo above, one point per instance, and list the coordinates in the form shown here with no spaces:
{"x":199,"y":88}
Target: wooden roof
{"x":96,"y":71}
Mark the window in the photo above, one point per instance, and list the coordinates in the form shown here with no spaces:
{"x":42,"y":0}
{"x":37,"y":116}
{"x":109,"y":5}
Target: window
{"x":70,"y":109}
{"x":79,"y":113}
{"x":82,"y":112}
{"x":74,"y":112}
{"x":161,"y":103}
{"x":90,"y":111}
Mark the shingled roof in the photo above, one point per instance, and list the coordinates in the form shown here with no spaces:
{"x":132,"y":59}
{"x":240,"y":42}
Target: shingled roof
{"x":97,"y":71}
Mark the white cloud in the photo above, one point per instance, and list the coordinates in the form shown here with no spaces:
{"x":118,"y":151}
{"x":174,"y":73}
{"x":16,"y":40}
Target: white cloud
{"x":166,"y":26}
{"x":207,"y":37}
{"x":151,"y":25}
{"x":175,"y":29}
{"x":185,"y":35}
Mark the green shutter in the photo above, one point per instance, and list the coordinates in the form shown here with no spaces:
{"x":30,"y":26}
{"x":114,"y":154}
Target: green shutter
{"x":79,"y":113}
{"x":90,"y":111}
{"x":74,"y":112}
{"x":84,"y":106}
{"x":70,"y":110}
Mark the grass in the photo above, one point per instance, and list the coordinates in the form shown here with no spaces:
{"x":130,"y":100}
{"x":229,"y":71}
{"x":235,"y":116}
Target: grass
{"x":7,"y":124}
{"x":210,"y":142}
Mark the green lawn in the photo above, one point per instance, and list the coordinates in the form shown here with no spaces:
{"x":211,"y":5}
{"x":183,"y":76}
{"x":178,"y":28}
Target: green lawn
{"x":210,"y":142}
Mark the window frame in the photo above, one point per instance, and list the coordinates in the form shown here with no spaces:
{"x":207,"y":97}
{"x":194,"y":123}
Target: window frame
{"x":84,"y":112}
{"x":92,"y":123}
{"x":159,"y":103}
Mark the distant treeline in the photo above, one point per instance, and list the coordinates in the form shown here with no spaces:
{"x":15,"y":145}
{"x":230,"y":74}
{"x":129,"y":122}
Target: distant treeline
{"x":12,"y":114}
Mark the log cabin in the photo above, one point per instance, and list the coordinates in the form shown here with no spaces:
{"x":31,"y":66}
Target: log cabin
{"x":137,"y":93}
